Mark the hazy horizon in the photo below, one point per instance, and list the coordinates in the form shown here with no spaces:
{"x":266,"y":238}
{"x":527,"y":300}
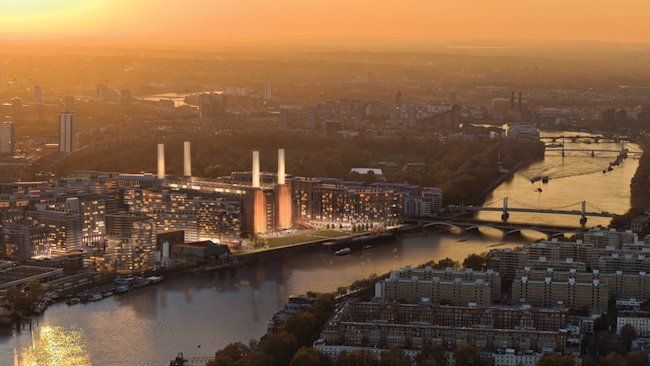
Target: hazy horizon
{"x":208,"y":22}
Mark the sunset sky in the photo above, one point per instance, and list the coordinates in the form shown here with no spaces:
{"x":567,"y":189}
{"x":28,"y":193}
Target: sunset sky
{"x":196,"y":20}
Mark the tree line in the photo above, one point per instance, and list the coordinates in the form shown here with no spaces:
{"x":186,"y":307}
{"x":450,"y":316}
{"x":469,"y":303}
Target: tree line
{"x":462,"y":168}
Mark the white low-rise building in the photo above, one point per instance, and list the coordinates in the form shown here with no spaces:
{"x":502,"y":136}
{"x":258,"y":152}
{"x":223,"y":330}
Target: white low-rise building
{"x":640,"y":322}
{"x":511,"y":358}
{"x":521,"y":131}
{"x":332,"y":351}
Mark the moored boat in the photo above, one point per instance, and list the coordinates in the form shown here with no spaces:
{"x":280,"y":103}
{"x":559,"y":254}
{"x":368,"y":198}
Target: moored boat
{"x":343,"y":251}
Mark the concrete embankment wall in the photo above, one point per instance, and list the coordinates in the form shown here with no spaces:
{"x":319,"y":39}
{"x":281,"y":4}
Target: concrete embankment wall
{"x":354,"y":242}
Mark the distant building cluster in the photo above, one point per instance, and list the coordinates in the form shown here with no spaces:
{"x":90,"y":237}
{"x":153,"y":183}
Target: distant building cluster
{"x":340,"y":201}
{"x":449,"y":307}
{"x":382,"y":325}
{"x":579,"y":274}
{"x":528,"y":302}
{"x":441,"y":286}
{"x":114,"y":220}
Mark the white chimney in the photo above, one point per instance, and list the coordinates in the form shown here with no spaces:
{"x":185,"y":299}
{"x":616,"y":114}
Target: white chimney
{"x":256,"y":169}
{"x":161,"y":161}
{"x":281,"y":173}
{"x":187,"y":159}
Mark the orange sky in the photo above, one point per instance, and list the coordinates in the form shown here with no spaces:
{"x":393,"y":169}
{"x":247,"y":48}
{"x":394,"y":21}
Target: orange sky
{"x":195,"y":20}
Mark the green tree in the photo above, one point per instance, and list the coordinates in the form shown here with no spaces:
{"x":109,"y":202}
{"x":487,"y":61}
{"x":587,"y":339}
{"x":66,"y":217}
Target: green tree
{"x":467,"y":355}
{"x":278,"y":348}
{"x":635,"y":359}
{"x":587,"y":361}
{"x":13,"y":294}
{"x":356,"y":358}
{"x":612,"y":359}
{"x":229,"y":355}
{"x":431,"y":355}
{"x":370,"y":177}
{"x":308,"y":356}
{"x":341,"y":290}
{"x":302,"y":326}
{"x":475,"y":262}
{"x":394,"y":357}
{"x":556,"y":360}
{"x":258,"y":358}
{"x":447,"y":262}
{"x":605,"y":343}
{"x":628,"y":334}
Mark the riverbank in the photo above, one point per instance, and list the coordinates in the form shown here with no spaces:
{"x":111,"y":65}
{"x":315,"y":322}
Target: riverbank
{"x":573,"y":178}
{"x":505,"y":176}
{"x":639,"y":188}
{"x":219,"y":308}
{"x":300,"y":329}
{"x":107,"y":285}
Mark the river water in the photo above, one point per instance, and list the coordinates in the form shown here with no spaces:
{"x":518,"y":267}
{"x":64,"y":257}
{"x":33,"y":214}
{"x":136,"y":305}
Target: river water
{"x":575,"y":178}
{"x":149,"y":326}
{"x":198,"y":315}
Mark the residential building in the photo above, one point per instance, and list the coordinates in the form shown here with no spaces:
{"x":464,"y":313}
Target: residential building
{"x":448,"y":286}
{"x":67,"y":132}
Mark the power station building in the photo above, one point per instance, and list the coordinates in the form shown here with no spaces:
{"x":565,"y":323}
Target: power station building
{"x":226,"y":208}
{"x":70,"y":215}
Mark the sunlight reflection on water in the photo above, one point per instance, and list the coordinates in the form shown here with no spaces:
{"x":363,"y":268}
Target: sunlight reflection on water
{"x":57,"y":347}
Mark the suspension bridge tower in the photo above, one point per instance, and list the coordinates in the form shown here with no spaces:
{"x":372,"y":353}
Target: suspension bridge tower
{"x":583,"y":213}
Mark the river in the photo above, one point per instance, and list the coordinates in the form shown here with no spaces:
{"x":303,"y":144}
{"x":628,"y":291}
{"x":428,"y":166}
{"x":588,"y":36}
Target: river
{"x":148,"y":326}
{"x":575,"y":178}
{"x":198,"y":315}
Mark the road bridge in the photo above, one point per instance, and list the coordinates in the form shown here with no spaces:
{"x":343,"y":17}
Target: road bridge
{"x":507,"y":205}
{"x":621,"y":151}
{"x":576,"y":138}
{"x":507,"y":228}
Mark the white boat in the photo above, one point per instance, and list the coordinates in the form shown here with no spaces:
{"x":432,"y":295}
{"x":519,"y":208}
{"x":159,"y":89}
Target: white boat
{"x":122,"y":289}
{"x":74,"y":300}
{"x":140,"y":282}
{"x":95,"y":297}
{"x":155,"y":279}
{"x":343,"y":251}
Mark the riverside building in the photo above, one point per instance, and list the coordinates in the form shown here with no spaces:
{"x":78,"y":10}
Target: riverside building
{"x":68,"y":215}
{"x":381,"y":325}
{"x":129,"y":247}
{"x":436,"y":286}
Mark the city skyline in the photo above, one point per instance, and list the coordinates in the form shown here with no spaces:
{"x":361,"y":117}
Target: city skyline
{"x":325,"y":182}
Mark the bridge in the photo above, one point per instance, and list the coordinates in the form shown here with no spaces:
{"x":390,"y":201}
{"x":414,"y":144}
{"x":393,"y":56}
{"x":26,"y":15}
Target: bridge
{"x":576,"y":138}
{"x":503,"y":205}
{"x":507,"y":228}
{"x":622,"y":151}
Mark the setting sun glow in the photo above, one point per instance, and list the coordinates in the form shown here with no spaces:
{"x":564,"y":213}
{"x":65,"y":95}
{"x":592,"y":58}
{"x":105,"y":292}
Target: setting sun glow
{"x":601,"y":20}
